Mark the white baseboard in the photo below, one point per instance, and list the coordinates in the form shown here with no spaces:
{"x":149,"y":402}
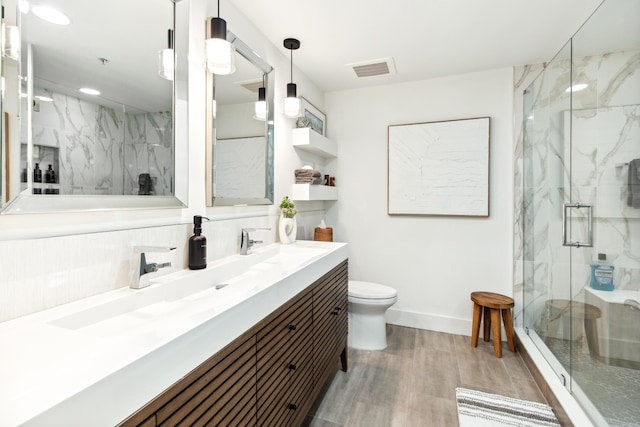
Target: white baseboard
{"x":431,"y":322}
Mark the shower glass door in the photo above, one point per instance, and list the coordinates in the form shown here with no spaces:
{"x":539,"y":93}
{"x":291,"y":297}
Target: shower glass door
{"x":582,"y":203}
{"x":546,"y":189}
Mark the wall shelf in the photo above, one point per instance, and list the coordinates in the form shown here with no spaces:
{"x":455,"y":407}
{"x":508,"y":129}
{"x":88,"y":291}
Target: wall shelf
{"x":304,"y":192}
{"x":311,"y":141}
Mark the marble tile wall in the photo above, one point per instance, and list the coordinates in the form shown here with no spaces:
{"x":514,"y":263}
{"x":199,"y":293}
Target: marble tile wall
{"x":605,"y":134}
{"x":102,"y":150}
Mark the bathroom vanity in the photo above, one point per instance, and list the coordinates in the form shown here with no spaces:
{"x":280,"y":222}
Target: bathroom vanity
{"x":250,"y":340}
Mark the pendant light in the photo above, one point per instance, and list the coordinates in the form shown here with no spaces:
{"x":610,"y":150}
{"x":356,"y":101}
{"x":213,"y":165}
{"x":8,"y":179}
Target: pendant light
{"x":221,"y":55}
{"x":291,"y":102}
{"x":166,"y":59}
{"x":261,"y":103}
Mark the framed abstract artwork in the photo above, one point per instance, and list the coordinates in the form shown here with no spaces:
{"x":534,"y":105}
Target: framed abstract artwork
{"x":439,"y":168}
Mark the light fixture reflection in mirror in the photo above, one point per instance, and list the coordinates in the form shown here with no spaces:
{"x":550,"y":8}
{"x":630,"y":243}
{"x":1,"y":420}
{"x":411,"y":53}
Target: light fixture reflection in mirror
{"x":115,"y":140}
{"x":240,"y":132}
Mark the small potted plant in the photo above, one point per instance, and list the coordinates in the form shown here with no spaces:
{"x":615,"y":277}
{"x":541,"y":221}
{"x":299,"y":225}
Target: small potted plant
{"x":287,"y":227}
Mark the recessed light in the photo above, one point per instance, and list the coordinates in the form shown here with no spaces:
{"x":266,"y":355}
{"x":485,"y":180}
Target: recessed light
{"x":576,"y":88}
{"x":89,"y":91}
{"x":43,"y":98}
{"x":50,"y":14}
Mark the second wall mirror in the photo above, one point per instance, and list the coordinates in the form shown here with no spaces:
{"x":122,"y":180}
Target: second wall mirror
{"x":239,"y":168}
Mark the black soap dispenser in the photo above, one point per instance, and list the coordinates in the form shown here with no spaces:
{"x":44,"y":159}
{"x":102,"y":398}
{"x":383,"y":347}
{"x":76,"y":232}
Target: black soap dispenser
{"x":197,"y":246}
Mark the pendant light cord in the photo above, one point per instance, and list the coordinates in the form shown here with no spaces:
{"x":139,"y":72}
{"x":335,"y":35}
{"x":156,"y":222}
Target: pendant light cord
{"x":290,"y":61}
{"x":218,"y":8}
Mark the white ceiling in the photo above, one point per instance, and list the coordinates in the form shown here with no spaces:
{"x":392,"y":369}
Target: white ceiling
{"x":426,"y":38}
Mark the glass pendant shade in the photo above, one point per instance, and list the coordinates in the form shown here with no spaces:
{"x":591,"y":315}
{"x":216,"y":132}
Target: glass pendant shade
{"x":221,"y":55}
{"x":291,"y":102}
{"x":166,"y":59}
{"x":261,"y":105}
{"x":166,"y":64}
{"x":291,"y":107}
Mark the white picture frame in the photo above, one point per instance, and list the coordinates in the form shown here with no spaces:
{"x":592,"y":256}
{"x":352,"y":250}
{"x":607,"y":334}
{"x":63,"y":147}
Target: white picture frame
{"x":316,"y":117}
{"x":439,"y":168}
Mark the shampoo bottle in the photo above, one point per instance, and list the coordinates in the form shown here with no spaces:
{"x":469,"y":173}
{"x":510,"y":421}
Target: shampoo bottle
{"x":602,"y":274}
{"x":37,"y":174}
{"x":50,"y":175}
{"x":197,"y":246}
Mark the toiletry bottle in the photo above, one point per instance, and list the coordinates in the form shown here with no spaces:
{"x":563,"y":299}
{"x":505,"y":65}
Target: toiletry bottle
{"x":37,"y":174}
{"x":49,"y":175}
{"x":602,"y":274}
{"x":197,"y":246}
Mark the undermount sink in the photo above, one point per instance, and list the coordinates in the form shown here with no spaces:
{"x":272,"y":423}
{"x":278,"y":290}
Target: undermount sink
{"x":173,"y":292}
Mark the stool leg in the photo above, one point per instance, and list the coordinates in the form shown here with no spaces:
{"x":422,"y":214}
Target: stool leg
{"x":487,"y":324}
{"x":475,"y":328}
{"x":495,"y":325}
{"x":591,"y":330}
{"x":508,"y":328}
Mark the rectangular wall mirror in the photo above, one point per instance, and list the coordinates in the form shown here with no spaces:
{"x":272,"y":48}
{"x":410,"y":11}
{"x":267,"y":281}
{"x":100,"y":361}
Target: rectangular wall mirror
{"x":95,"y":107}
{"x":240,"y":141}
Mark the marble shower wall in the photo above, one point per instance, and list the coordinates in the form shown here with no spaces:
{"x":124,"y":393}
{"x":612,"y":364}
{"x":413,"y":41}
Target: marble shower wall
{"x":605,"y":130}
{"x":102,"y":150}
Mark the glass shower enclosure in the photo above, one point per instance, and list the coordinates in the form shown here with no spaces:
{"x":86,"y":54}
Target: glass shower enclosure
{"x":582,"y":214}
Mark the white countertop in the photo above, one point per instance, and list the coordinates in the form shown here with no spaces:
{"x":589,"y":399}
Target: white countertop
{"x":617,"y":296}
{"x":96,"y":361}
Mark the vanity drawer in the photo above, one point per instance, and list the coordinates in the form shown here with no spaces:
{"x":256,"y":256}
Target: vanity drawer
{"x":330,"y":313}
{"x":279,"y":364}
{"x":279,"y":404}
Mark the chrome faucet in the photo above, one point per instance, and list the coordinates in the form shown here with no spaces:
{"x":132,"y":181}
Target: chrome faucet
{"x":246,"y":242}
{"x":140,"y":269}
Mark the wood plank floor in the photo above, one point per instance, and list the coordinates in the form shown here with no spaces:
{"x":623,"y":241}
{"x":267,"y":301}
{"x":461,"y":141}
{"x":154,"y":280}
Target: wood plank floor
{"x":412,"y":382}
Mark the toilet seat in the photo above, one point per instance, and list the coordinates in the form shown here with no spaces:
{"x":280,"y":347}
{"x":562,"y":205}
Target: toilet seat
{"x":370,"y":291}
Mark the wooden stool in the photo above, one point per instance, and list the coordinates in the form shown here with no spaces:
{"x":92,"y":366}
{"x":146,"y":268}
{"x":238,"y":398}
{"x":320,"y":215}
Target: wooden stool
{"x":490,"y":305}
{"x":559,"y":308}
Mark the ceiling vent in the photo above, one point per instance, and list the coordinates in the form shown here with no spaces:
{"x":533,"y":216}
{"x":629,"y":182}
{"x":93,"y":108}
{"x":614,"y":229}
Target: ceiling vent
{"x":377,"y":67}
{"x":251,"y":85}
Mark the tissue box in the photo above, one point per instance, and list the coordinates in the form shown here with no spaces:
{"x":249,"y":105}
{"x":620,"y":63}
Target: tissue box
{"x":323,"y":234}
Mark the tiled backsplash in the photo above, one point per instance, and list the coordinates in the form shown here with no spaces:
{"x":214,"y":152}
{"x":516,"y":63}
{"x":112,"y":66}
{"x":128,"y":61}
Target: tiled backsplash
{"x":43,"y":273}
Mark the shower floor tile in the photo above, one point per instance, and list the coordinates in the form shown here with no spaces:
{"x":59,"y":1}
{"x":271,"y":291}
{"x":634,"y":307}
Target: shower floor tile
{"x":614,"y":390}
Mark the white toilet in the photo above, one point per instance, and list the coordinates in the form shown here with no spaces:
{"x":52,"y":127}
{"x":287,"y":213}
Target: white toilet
{"x":368,"y":303}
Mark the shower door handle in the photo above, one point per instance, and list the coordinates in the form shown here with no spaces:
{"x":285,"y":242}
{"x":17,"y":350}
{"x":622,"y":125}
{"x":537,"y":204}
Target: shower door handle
{"x":565,"y":209}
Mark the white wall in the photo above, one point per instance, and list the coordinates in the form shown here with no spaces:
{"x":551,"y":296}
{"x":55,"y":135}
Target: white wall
{"x":433,"y":262}
{"x":38,"y":273}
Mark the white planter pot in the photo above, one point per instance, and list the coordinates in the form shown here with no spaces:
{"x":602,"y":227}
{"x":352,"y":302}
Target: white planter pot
{"x":287,"y":229}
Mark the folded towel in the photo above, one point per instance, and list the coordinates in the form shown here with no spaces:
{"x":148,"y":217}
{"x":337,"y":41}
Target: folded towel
{"x":633,"y":196}
{"x":308,"y":176}
{"x":309,"y":180}
{"x":307,"y":173}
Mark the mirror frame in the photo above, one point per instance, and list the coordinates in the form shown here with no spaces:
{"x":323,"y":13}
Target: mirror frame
{"x":27,"y":204}
{"x":255,"y":59}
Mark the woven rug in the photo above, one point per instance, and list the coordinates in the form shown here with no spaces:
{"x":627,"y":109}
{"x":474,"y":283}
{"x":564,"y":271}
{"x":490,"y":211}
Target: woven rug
{"x":476,"y":409}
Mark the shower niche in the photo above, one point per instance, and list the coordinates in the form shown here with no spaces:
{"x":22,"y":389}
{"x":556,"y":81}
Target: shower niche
{"x":45,"y":173}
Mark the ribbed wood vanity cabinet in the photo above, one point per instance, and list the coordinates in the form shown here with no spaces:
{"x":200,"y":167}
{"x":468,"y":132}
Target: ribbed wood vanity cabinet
{"x":271,"y":375}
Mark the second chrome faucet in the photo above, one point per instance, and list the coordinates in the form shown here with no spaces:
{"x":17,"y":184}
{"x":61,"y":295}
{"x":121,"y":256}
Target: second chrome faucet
{"x":246,"y":242}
